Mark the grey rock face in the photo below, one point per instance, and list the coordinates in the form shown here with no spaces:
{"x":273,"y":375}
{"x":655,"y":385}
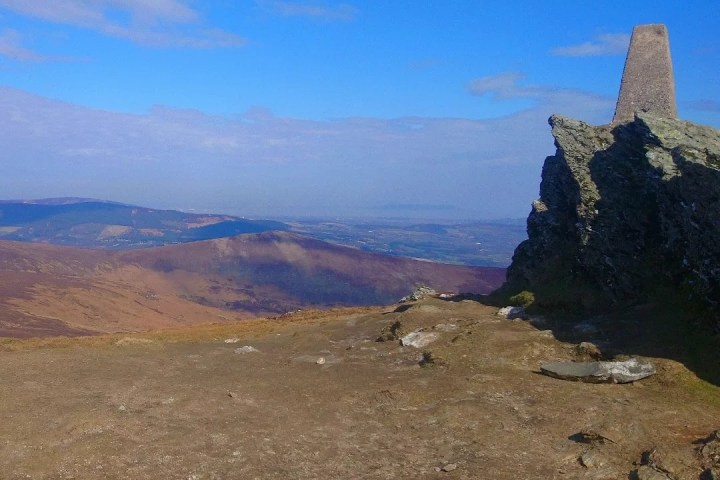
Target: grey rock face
{"x":624,"y":209}
{"x":599,"y":372}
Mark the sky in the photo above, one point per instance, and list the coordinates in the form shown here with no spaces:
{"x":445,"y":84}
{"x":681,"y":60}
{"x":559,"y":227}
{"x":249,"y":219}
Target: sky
{"x":414,"y":109}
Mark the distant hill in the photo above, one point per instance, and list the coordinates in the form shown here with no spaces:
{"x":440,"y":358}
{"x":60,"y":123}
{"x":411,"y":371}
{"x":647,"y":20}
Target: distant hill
{"x":489,"y":243}
{"x":50,"y":290}
{"x":102,"y":224}
{"x":90,"y":223}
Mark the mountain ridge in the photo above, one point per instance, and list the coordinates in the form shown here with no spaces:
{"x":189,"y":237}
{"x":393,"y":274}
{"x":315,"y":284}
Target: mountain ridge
{"x":104,"y":224}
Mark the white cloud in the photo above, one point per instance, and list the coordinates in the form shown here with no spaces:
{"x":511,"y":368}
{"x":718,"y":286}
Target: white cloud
{"x":500,"y":86}
{"x":259,"y":163}
{"x":80,"y":12}
{"x":605,"y":44}
{"x":159,"y":23}
{"x":705,"y":105}
{"x":316,"y":10}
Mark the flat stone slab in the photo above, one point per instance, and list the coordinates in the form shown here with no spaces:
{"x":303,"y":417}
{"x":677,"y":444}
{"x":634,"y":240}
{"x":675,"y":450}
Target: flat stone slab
{"x":600,"y":372}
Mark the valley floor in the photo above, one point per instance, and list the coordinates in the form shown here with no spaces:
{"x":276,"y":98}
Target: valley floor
{"x":321,"y":398}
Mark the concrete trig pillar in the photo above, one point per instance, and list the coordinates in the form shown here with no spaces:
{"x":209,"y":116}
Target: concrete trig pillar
{"x":647,"y":82}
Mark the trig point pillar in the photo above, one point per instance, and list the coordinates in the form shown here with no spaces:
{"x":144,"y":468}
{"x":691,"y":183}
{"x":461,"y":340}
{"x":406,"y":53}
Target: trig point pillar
{"x":647,"y":82}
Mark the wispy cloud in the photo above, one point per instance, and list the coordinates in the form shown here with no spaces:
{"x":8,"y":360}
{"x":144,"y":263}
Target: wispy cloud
{"x":315,"y":10}
{"x":705,"y":105}
{"x":158,"y":23}
{"x":605,"y":44}
{"x":10,"y":46}
{"x":584,"y":105}
{"x":501,"y":86}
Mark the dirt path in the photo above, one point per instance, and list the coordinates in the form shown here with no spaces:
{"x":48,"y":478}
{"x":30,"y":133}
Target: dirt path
{"x":322,"y":399}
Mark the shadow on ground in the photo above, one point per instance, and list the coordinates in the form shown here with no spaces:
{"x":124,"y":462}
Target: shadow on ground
{"x":661,"y":330}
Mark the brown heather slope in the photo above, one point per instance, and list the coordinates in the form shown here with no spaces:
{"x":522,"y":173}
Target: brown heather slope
{"x":48,"y":290}
{"x":275,"y":272}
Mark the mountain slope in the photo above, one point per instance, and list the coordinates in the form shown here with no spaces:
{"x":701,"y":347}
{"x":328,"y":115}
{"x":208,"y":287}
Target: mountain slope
{"x":307,"y":271}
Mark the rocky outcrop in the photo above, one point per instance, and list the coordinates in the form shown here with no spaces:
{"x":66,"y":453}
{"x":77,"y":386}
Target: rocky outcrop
{"x":625,"y":211}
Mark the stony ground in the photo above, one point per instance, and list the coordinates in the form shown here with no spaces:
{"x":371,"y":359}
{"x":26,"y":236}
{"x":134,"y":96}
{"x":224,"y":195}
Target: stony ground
{"x":321,"y":398}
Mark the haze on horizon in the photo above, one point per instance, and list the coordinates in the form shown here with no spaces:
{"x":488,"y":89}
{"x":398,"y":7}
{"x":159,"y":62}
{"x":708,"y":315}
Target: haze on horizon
{"x":319,"y":108}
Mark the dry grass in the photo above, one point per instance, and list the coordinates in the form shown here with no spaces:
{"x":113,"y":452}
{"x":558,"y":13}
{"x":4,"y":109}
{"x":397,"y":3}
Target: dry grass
{"x":189,"y":334}
{"x":180,"y":403}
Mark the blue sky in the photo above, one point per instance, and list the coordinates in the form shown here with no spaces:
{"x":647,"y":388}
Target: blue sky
{"x":423,"y":109}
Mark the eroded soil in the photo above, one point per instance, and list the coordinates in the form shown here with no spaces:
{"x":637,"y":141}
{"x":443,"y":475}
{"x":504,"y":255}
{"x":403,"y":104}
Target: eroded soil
{"x":323,"y":399}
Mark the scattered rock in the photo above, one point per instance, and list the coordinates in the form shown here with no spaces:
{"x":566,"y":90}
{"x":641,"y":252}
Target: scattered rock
{"x":419,"y":339}
{"x":246,"y":349}
{"x":419,"y":293}
{"x":599,"y":372}
{"x":426,"y":359}
{"x":648,"y":473}
{"x":449,"y":467}
{"x":446,"y":327}
{"x":653,"y":459}
{"x":325,"y":359}
{"x":588,"y":350}
{"x":709,"y":451}
{"x":512,"y":313}
{"x":710,"y":474}
{"x":593,"y":459}
{"x":391,"y":333}
{"x":652,"y":467}
{"x":232,"y":340}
